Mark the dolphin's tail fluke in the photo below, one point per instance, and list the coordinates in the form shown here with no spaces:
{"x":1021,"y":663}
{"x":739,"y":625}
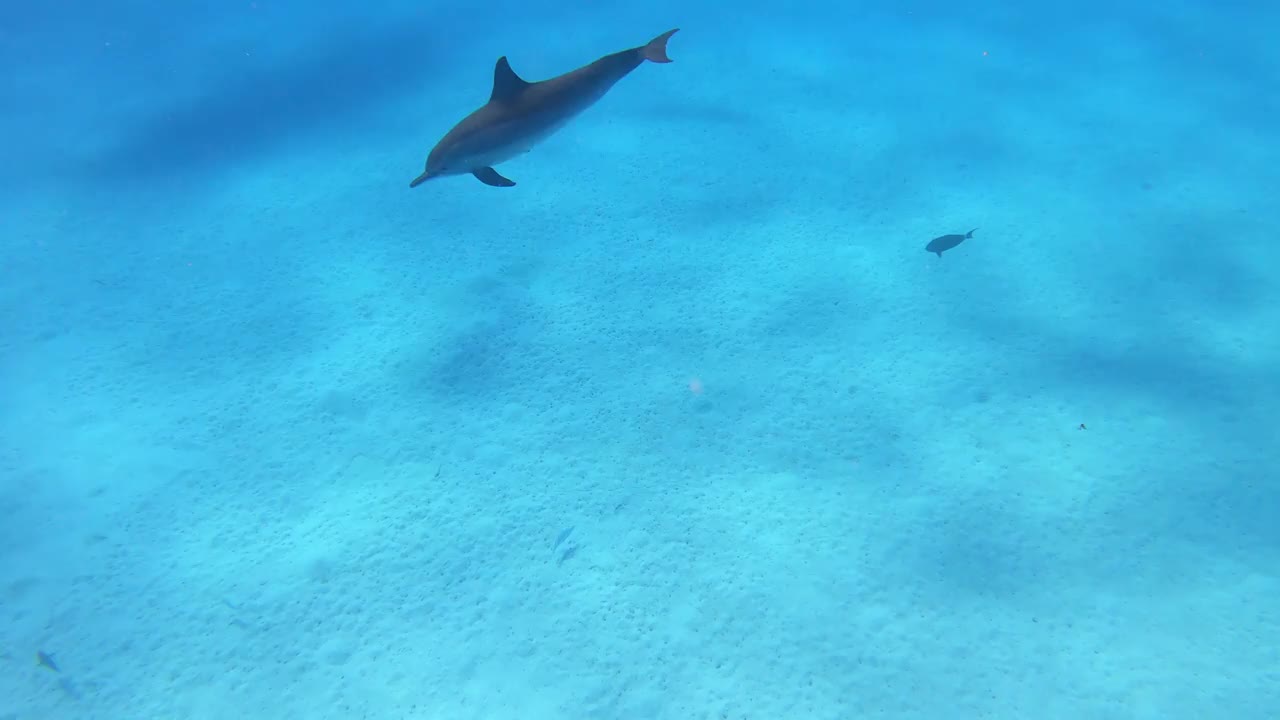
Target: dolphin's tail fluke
{"x":656,"y":50}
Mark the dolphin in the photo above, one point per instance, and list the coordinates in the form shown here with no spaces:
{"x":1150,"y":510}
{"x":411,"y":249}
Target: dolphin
{"x":521,"y":114}
{"x":946,"y":242}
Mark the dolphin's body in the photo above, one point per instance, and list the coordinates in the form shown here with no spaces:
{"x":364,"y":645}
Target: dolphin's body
{"x":521,"y":114}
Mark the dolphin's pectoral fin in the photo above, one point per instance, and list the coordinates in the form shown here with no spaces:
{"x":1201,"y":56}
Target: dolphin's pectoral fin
{"x":489,"y":176}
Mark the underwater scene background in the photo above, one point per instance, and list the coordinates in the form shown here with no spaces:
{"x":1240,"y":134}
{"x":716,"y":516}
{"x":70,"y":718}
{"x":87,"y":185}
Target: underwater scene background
{"x":687,"y":424}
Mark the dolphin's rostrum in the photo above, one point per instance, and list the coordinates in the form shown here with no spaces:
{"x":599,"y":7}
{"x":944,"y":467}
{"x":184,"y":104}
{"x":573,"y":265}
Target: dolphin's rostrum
{"x":520,"y":114}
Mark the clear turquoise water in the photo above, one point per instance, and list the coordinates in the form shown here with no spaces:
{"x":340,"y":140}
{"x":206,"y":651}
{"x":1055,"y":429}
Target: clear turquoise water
{"x":685,"y":425}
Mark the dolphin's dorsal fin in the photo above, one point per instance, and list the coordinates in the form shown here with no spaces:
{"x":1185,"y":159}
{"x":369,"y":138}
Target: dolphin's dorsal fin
{"x":506,"y":83}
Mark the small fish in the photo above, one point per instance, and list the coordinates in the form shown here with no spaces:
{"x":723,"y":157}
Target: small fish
{"x":568,"y":553}
{"x":564,"y":535}
{"x":43,"y":659}
{"x":946,"y":242}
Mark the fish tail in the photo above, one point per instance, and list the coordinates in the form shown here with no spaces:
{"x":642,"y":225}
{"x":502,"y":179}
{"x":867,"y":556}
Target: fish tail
{"x":970,"y":234}
{"x":656,"y":49}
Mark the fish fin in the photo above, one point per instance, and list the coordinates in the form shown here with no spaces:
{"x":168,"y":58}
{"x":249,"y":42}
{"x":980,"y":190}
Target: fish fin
{"x":970,"y":233}
{"x":506,"y":83}
{"x":656,"y":49}
{"x":489,"y":176}
{"x":938,"y":253}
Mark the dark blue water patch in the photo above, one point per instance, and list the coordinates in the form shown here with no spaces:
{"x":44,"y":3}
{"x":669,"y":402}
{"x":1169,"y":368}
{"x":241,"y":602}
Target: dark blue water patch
{"x":982,"y":546}
{"x":480,"y":360}
{"x":343,"y":77}
{"x":1205,"y":480}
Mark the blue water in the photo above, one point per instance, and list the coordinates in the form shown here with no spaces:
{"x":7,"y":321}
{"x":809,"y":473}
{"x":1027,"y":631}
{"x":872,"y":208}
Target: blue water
{"x":687,"y":425}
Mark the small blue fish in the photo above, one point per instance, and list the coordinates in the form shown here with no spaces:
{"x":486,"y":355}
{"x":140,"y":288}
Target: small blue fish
{"x":43,"y":659}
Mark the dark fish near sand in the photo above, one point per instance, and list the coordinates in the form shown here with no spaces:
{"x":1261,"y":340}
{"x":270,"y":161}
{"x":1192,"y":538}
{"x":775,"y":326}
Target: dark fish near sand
{"x":43,"y":659}
{"x":946,"y":242}
{"x":520,"y":114}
